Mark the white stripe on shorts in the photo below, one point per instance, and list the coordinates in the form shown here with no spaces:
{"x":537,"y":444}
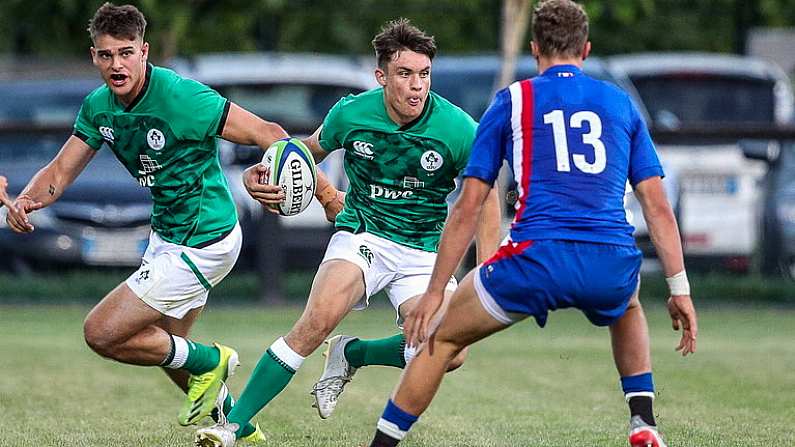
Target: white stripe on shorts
{"x":488,"y":302}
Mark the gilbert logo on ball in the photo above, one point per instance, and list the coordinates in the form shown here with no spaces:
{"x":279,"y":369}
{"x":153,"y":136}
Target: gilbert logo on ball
{"x":293,"y":168}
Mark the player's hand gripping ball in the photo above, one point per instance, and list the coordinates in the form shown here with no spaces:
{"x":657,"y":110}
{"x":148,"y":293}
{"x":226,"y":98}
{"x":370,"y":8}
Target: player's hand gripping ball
{"x":291,"y":167}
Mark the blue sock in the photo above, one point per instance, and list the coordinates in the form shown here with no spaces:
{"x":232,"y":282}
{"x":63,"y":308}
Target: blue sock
{"x":639,"y":394}
{"x":395,"y":422}
{"x":641,"y":384}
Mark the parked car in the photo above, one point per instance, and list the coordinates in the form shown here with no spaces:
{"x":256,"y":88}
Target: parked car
{"x":468,"y":81}
{"x":777,"y":236}
{"x":296,"y":91}
{"x":687,"y":92}
{"x":102,"y":219}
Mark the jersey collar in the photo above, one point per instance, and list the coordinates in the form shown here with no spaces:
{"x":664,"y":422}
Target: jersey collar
{"x":562,"y":71}
{"x":142,"y":93}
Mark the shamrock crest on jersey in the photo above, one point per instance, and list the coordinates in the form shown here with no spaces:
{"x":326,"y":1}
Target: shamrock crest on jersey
{"x":431,"y":161}
{"x":155,"y":139}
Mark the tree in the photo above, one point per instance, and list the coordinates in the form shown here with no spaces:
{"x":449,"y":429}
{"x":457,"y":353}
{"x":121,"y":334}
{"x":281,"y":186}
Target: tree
{"x":515,"y":18}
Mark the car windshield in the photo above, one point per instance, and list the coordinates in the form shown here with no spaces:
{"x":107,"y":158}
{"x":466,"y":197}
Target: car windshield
{"x":38,"y":147}
{"x":299,"y":107}
{"x":673,"y":100}
{"x":472,"y":90}
{"x":43,"y":102}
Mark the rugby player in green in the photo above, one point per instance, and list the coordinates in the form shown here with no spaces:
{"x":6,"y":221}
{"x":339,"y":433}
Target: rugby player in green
{"x":163,"y":129}
{"x":404,"y":146}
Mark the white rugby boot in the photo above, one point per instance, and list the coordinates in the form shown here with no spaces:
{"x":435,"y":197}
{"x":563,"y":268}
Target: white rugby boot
{"x":337,"y":372}
{"x":218,"y":435}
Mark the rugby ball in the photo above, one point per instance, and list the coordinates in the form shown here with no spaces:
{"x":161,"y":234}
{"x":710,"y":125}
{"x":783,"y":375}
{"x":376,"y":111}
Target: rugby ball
{"x":293,"y":168}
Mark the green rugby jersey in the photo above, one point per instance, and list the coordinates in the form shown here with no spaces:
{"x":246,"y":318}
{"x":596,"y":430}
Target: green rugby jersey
{"x":400,"y":176}
{"x":166,"y":138}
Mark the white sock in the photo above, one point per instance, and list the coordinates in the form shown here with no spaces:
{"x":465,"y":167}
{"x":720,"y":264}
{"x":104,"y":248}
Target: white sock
{"x":293,"y":359}
{"x":409,"y":353}
{"x":180,"y":353}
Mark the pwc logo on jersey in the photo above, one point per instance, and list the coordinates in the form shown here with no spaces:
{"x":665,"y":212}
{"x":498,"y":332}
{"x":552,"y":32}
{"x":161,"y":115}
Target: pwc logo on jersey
{"x":155,"y":139}
{"x":107,"y":134}
{"x":148,"y":167}
{"x":431,"y":161}
{"x":377,"y":191}
{"x":363,"y":149}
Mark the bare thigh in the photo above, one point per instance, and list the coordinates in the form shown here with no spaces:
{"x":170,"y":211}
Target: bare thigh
{"x":119,"y":316}
{"x":337,"y":286}
{"x":466,"y":321}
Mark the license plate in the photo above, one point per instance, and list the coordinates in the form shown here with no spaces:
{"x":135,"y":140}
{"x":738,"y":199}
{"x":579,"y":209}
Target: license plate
{"x":710,"y":184}
{"x":115,"y":248}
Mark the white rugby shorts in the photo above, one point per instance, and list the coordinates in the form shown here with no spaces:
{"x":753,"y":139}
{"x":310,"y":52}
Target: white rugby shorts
{"x":402,"y":272}
{"x":173,"y":279}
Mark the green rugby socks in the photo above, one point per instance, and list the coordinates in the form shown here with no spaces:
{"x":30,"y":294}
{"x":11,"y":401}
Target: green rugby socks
{"x":193,"y":357}
{"x":383,"y":351}
{"x":273,"y":372}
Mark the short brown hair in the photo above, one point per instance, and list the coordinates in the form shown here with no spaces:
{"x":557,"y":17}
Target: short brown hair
{"x":124,"y":21}
{"x":400,"y":35}
{"x":560,"y":28}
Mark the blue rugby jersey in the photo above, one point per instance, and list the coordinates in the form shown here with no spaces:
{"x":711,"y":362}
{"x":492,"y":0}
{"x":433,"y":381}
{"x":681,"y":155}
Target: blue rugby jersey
{"x":572,"y":143}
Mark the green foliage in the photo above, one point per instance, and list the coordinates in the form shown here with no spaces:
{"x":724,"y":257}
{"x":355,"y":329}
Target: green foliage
{"x":57,"y":27}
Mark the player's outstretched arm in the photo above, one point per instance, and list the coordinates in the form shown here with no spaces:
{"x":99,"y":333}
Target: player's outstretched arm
{"x":456,"y":237}
{"x":664,"y":233}
{"x":332,"y":199}
{"x":488,"y":234}
{"x":49,"y":183}
{"x":243,"y":127}
{"x":4,"y":199}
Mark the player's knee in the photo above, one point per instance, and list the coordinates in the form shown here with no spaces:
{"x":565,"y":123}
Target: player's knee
{"x":458,"y":359}
{"x":97,"y":339}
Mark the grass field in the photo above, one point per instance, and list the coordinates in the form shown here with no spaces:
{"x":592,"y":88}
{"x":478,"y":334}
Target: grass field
{"x":523,"y":387}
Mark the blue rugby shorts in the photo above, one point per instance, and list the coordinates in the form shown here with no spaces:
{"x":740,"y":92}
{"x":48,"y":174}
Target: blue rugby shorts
{"x":535,"y":277}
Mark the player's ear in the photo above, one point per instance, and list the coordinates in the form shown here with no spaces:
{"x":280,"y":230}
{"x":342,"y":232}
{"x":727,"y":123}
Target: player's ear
{"x":380,"y":77}
{"x":145,"y":51}
{"x":93,"y":53}
{"x":533,"y":49}
{"x":586,"y":50}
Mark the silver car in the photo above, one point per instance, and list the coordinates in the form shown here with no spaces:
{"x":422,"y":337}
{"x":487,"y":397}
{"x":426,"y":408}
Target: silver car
{"x":295,"y":90}
{"x":689,"y":92}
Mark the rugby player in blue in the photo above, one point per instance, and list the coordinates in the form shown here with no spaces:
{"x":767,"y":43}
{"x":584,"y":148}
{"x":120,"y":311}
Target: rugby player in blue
{"x":572,"y":143}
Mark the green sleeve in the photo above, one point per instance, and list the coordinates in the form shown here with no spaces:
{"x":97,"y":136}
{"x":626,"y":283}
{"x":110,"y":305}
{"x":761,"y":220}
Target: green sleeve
{"x":468,"y":131}
{"x":198,"y":112}
{"x":334,"y":128}
{"x":85,"y":129}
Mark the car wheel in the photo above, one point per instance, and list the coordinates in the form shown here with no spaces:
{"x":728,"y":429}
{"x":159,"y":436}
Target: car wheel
{"x":16,"y":265}
{"x":788,"y":268}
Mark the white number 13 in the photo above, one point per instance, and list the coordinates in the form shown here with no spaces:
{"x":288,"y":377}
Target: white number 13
{"x":558,"y":122}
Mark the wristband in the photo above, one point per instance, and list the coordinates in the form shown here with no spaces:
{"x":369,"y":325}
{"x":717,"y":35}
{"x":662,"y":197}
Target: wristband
{"x":678,"y":284}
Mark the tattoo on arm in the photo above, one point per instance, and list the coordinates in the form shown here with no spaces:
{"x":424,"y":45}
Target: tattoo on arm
{"x":52,"y":190}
